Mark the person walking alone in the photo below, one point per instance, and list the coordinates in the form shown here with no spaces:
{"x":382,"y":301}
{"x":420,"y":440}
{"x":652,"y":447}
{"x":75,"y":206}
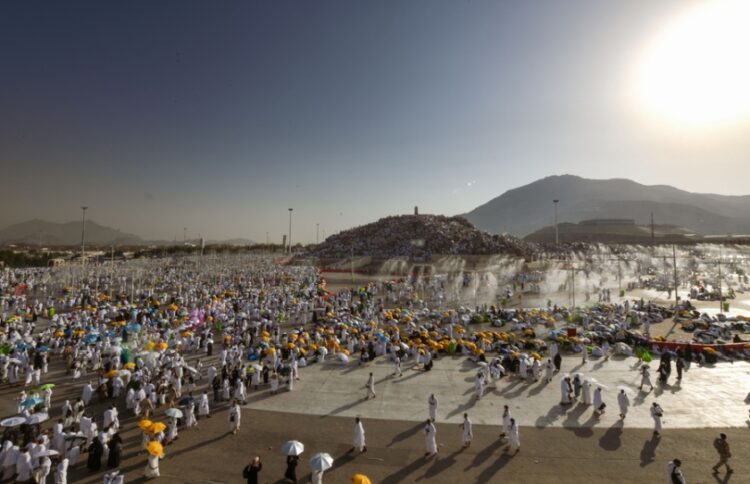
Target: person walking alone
{"x":370,"y":387}
{"x":722,"y":447}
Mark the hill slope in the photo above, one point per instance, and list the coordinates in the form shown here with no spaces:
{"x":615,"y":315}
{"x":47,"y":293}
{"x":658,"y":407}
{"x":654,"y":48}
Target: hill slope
{"x":526,"y":209}
{"x":416,"y":236}
{"x":69,"y":233}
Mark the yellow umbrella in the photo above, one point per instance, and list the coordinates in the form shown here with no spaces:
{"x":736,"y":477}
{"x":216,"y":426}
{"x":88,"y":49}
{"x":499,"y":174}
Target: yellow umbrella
{"x":145,"y":424}
{"x":162,"y":346}
{"x":149,"y":346}
{"x":360,"y":479}
{"x":129,"y":365}
{"x":156,"y":427}
{"x":155,"y":448}
{"x":111,"y":374}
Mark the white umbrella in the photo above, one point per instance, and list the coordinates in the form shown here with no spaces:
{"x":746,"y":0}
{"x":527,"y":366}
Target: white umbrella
{"x":13,"y":422}
{"x":256,"y":366}
{"x":293,"y":447}
{"x":321,"y":462}
{"x":191,"y":369}
{"x":173,"y":412}
{"x":14,"y":361}
{"x":48,"y":453}
{"x":38,"y":418}
{"x":597,"y":384}
{"x":343,"y":358}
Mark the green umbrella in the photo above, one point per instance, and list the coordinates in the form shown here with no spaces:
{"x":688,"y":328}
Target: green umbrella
{"x":46,"y":386}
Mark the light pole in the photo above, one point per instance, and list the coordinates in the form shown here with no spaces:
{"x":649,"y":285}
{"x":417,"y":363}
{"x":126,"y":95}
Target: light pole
{"x":83,"y":241}
{"x":557,"y":235}
{"x":317,"y":234}
{"x":184,"y":235}
{"x":290,"y":230}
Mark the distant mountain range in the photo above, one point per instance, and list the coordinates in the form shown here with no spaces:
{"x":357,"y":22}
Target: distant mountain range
{"x":529,"y":208}
{"x":40,"y":232}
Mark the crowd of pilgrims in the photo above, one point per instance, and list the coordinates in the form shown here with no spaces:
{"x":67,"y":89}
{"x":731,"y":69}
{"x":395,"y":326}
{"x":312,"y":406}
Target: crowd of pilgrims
{"x":183,"y":342}
{"x":191,"y":342}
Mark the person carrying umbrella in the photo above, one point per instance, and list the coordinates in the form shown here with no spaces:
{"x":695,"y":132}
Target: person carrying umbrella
{"x":292,"y":449}
{"x":155,"y":453}
{"x":319,"y":463}
{"x":291,"y":468}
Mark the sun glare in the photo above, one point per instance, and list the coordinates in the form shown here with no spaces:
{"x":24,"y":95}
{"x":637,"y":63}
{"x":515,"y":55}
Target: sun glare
{"x":696,"y":71}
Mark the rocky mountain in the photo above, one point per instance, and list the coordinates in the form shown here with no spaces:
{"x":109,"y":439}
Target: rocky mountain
{"x":41,"y":232}
{"x":523,"y":210}
{"x":417,"y":236}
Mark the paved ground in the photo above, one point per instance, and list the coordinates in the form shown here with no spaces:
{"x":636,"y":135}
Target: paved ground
{"x":712,"y":396}
{"x":607,"y":454}
{"x":557,"y":446}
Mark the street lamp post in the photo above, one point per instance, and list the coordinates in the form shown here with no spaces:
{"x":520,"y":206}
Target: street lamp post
{"x":557,"y":235}
{"x":83,"y":241}
{"x":290,"y":230}
{"x":317,"y":234}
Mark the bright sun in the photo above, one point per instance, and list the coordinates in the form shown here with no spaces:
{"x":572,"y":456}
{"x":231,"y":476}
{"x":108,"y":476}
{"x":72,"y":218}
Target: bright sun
{"x":696,"y":72}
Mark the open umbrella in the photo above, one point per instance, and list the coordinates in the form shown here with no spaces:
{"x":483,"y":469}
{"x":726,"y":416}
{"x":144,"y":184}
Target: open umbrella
{"x":31,"y":401}
{"x":293,"y":447}
{"x":48,"y":453}
{"x":157,"y":427}
{"x":185,"y":400}
{"x":42,"y":349}
{"x":360,"y":479}
{"x":321,"y":462}
{"x":13,"y":422}
{"x":155,"y":448}
{"x":75,"y":436}
{"x":38,"y":418}
{"x":46,"y":386}
{"x":145,"y":424}
{"x":173,"y":412}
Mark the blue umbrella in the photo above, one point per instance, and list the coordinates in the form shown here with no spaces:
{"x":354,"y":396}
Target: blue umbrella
{"x":134,"y":327}
{"x":91,"y":338}
{"x":42,"y":349}
{"x":31,"y":401}
{"x":23,"y":346}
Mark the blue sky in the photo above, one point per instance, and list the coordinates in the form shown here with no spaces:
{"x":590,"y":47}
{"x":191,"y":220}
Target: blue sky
{"x":218,"y":116}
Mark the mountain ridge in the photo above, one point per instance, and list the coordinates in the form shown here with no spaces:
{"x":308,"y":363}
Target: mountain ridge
{"x":523,"y":210}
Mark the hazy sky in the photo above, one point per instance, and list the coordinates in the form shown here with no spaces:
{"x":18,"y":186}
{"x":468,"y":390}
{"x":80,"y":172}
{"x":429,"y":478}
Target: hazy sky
{"x":218,"y":116}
